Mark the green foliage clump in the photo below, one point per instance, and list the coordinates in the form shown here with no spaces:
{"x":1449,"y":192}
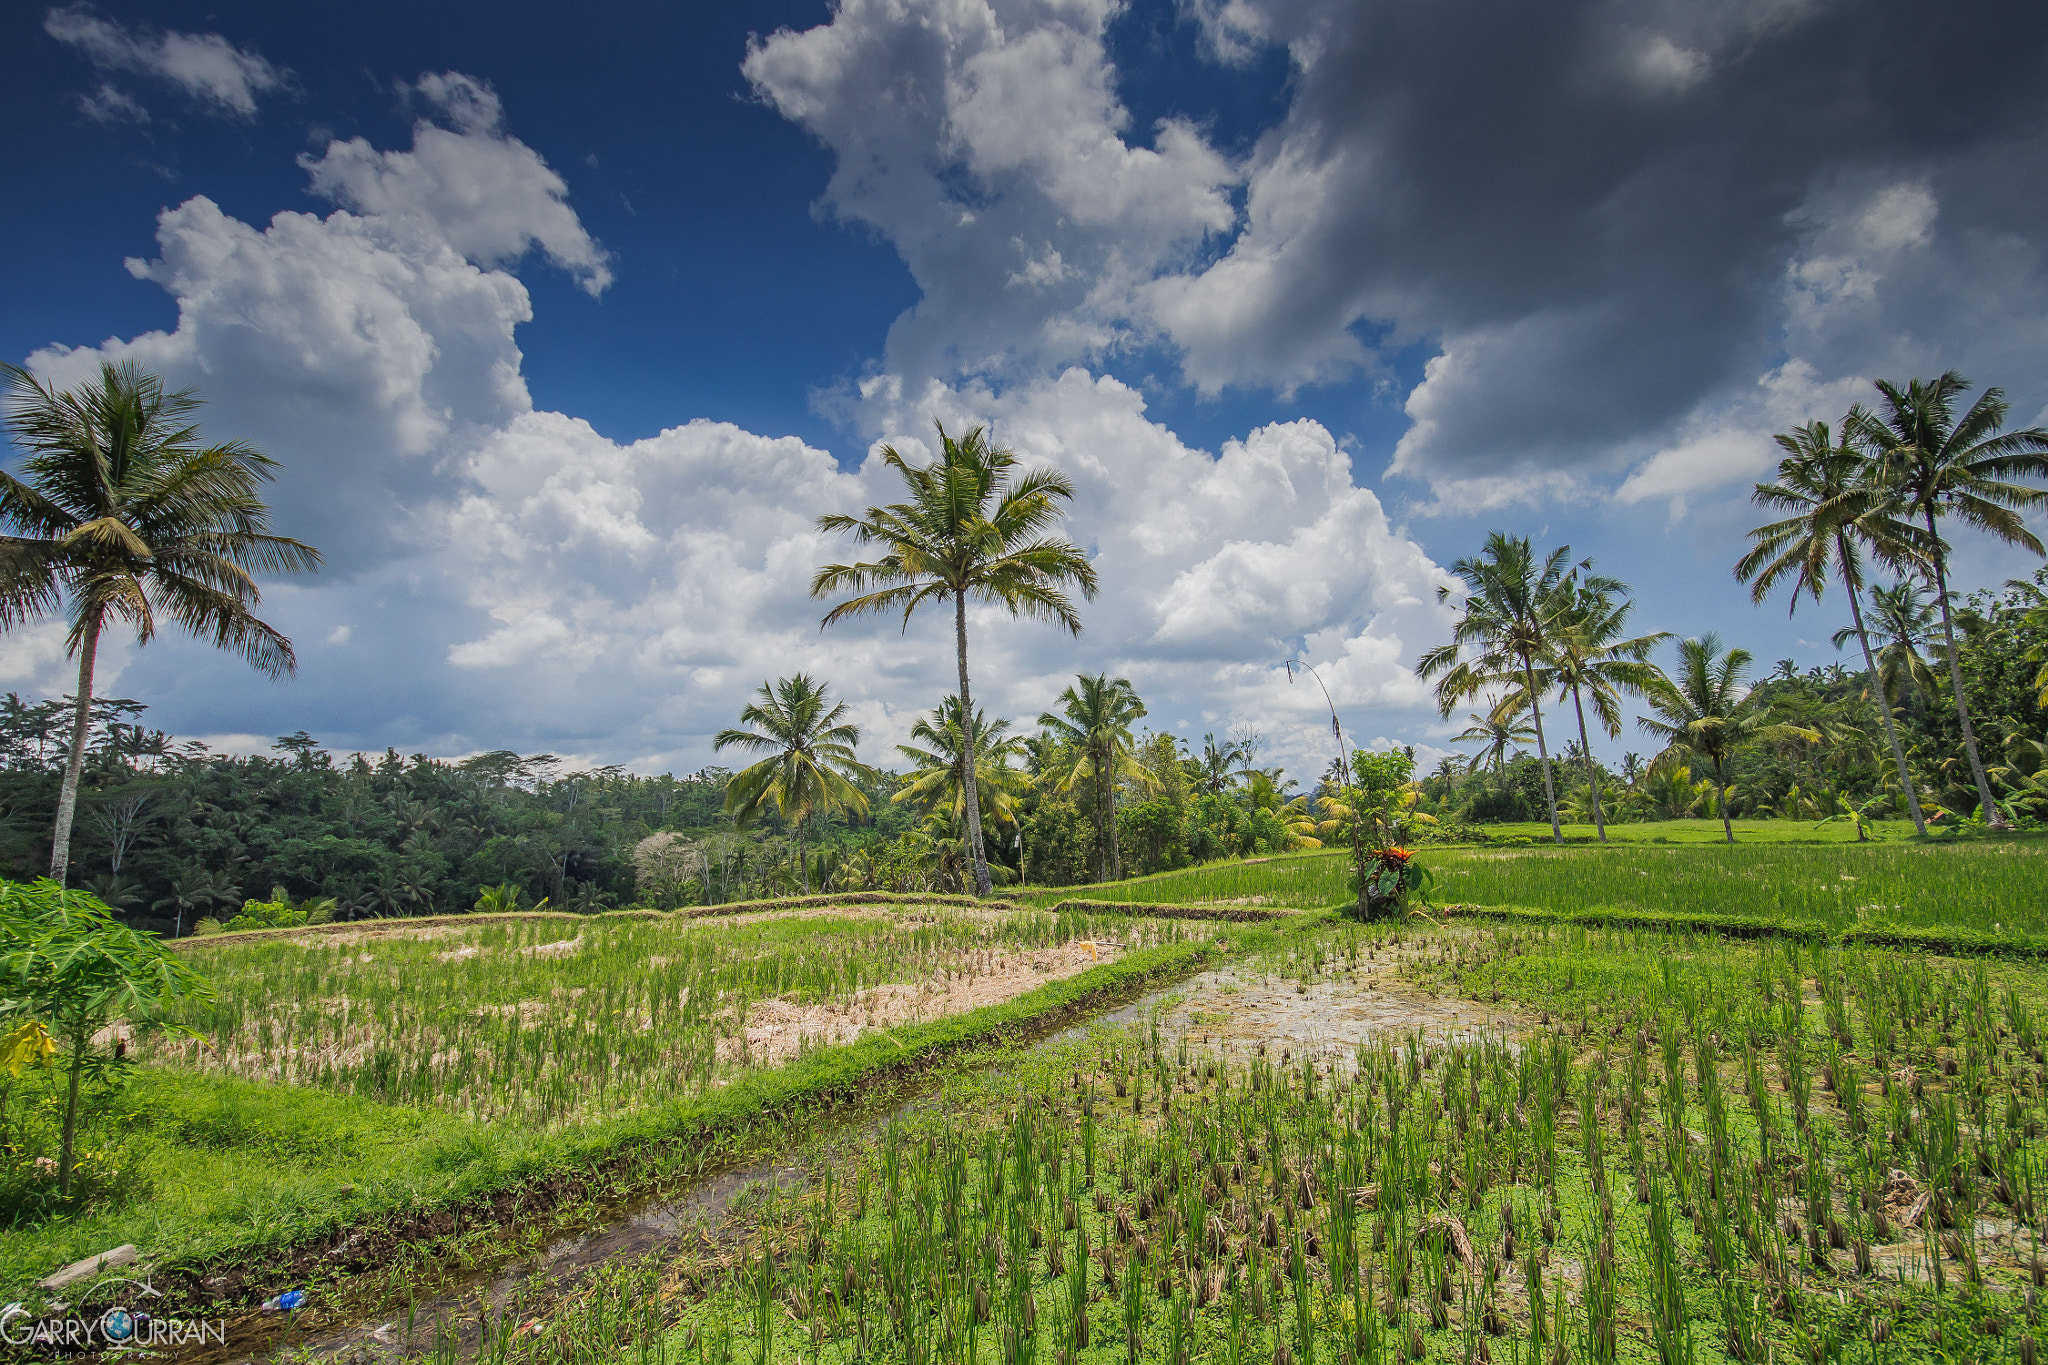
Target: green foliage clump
{"x":68,"y":971}
{"x":256,"y":914}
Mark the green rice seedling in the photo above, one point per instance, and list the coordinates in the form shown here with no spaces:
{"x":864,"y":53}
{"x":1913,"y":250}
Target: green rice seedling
{"x":1599,"y":1300}
{"x":1834,"y":889}
{"x":1136,"y":1304}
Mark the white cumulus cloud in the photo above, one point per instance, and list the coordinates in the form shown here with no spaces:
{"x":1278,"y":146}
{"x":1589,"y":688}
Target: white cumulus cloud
{"x":985,"y":139}
{"x":485,"y":193}
{"x":205,"y":66}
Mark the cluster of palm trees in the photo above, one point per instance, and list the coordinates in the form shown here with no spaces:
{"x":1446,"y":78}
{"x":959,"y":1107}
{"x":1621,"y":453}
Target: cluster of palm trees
{"x":1531,"y":627}
{"x":1877,"y":490}
{"x":1087,"y":747}
{"x":972,"y":528}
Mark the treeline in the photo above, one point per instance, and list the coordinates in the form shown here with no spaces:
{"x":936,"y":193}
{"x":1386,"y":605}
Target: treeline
{"x":170,"y":833}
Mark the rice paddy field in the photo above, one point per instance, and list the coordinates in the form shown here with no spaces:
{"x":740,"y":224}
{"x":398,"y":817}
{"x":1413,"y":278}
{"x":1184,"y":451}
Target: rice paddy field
{"x":1654,"y":1148}
{"x":546,"y":1019}
{"x":958,"y":1134}
{"x":367,"y":1074}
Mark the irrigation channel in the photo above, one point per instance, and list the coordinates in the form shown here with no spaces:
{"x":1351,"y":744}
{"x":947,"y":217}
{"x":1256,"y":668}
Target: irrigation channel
{"x":1237,"y":1010}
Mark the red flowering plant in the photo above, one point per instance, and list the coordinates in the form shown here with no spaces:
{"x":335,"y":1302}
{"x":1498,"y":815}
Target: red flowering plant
{"x":1385,"y":875}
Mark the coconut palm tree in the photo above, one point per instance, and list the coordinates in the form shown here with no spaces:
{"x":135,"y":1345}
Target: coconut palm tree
{"x":1902,"y":624}
{"x":1287,"y":822}
{"x":810,"y":768}
{"x":1512,"y":612}
{"x":1217,"y":765}
{"x":940,"y":782}
{"x":1094,"y":725}
{"x":1934,"y":464}
{"x":1710,"y":711}
{"x":195,"y":889}
{"x":1837,"y":513}
{"x":1667,"y":789}
{"x":1592,"y":659}
{"x":122,"y":513}
{"x":1498,"y":738}
{"x":973,"y":527}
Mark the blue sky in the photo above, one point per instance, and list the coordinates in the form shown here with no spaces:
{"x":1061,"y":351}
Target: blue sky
{"x":569,"y":327}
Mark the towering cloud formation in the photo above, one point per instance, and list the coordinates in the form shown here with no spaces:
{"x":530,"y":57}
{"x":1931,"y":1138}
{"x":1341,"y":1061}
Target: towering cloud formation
{"x":506,"y":576}
{"x":987,"y":142}
{"x":1636,"y":240}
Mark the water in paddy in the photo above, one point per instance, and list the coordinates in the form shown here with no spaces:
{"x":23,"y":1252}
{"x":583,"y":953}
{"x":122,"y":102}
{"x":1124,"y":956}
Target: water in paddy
{"x":1239,"y":1011}
{"x":1242,"y":1012}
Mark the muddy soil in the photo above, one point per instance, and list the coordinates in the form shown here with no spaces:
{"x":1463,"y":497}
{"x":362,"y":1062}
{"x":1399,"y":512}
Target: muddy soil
{"x":1241,"y":1013}
{"x":697,"y":1221}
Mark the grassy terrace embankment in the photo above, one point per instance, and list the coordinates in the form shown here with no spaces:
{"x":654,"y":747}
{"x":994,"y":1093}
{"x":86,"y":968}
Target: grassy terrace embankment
{"x":1970,"y":894}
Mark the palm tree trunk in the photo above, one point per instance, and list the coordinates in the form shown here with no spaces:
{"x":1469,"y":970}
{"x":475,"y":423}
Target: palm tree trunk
{"x":1884,"y":703}
{"x":1542,"y":750}
{"x":1721,"y":789}
{"x":1993,"y":816}
{"x":1592,"y":768}
{"x":1101,"y":833}
{"x":803,"y":857}
{"x":969,"y":791}
{"x":74,"y":767}
{"x":1116,"y":856}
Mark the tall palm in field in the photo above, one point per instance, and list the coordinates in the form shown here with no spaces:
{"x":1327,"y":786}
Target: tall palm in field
{"x":938,"y":749}
{"x":1217,"y":765}
{"x":972,"y":527}
{"x":1934,"y":464}
{"x":1512,"y":613}
{"x":1094,"y":724}
{"x":122,"y":513}
{"x":1710,"y":711}
{"x":1498,"y":737}
{"x":810,"y":768}
{"x":1836,"y":513}
{"x":1593,"y":658}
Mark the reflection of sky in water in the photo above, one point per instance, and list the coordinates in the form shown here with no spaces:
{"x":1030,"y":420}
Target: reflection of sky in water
{"x":1234,"y":1011}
